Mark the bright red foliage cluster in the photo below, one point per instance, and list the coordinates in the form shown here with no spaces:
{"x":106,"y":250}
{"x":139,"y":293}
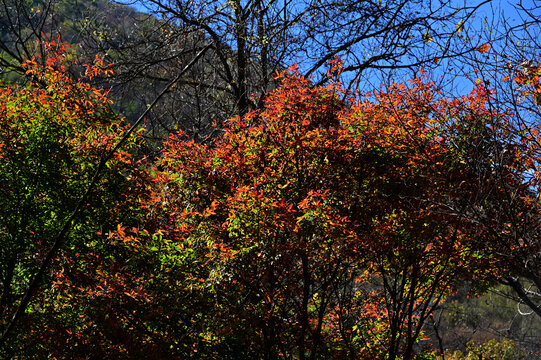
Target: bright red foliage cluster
{"x":323,"y":226}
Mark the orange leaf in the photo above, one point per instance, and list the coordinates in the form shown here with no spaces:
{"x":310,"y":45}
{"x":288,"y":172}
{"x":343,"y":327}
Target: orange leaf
{"x":483,"y":48}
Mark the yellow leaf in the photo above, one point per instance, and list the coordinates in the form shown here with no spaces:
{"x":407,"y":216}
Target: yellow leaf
{"x":427,"y":37}
{"x":459,"y":26}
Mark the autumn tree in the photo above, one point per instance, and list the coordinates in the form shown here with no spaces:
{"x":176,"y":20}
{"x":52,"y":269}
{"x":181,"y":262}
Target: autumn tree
{"x":55,"y":132}
{"x":316,"y":228}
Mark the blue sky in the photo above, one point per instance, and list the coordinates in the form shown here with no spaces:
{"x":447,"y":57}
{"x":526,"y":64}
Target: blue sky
{"x":492,"y":14}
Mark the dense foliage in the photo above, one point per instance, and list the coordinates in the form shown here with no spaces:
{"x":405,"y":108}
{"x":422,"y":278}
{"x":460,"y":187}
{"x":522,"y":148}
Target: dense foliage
{"x":324,"y":225}
{"x":53,"y":133}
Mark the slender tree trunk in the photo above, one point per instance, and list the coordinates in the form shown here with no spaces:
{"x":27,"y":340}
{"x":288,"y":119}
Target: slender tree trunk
{"x":242,"y":61}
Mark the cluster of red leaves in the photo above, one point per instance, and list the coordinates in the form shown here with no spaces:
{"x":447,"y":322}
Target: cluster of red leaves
{"x":527,"y":77}
{"x":292,"y":205}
